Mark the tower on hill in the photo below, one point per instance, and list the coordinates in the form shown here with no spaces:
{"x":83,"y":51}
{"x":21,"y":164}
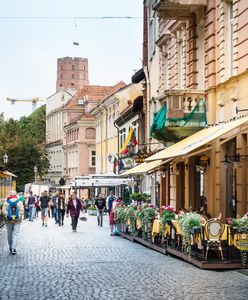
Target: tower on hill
{"x":72,"y":72}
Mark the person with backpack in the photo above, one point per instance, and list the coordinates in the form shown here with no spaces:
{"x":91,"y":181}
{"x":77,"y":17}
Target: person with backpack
{"x":13,"y":212}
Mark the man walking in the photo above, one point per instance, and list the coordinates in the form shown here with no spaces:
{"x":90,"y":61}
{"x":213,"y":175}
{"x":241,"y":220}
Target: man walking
{"x":31,"y":206}
{"x":100,"y":205}
{"x":44,"y":204}
{"x":13,"y":212}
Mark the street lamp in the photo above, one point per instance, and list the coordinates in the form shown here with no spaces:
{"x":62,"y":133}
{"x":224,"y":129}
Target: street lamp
{"x":35,"y":172}
{"x":5,"y":158}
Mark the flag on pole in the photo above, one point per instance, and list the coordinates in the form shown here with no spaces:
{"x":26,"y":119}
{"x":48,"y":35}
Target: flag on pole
{"x":75,"y":44}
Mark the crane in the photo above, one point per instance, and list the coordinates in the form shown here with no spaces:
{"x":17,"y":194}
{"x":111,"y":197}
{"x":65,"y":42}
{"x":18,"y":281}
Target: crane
{"x":34,"y":101}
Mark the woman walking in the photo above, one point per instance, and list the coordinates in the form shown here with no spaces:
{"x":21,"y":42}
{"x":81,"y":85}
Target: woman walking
{"x":74,"y":207}
{"x":61,"y":209}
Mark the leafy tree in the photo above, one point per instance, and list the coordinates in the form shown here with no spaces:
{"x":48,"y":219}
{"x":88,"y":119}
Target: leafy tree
{"x":24,"y":142}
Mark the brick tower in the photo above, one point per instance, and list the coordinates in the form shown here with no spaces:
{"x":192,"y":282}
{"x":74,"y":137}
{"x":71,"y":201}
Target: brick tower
{"x":72,"y":72}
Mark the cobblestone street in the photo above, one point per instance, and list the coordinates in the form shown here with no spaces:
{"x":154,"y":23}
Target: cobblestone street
{"x":54,"y":263}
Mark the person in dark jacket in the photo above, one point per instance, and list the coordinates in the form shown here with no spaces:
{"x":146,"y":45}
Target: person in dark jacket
{"x":60,"y":206}
{"x":74,"y":207}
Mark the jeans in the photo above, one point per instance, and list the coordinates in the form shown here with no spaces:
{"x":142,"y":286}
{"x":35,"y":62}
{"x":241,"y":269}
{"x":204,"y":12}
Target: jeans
{"x":99,"y":217}
{"x":55,"y":214}
{"x":31,"y":212}
{"x":13,"y":233}
{"x":61,"y":215}
{"x":74,"y":222}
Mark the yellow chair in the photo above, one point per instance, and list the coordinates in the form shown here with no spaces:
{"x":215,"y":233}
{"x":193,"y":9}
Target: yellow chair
{"x":214,"y":229}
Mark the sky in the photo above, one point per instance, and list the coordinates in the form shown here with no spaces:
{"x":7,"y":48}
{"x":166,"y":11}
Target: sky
{"x":29,"y":48}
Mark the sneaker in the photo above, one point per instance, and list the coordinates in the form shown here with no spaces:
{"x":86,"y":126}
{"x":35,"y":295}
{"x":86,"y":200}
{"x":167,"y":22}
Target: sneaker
{"x":45,"y":225}
{"x":42,"y":224}
{"x":13,"y":251}
{"x":74,"y":230}
{"x":10,"y":250}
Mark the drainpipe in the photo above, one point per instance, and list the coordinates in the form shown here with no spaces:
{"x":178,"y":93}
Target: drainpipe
{"x":118,"y":136}
{"x":66,"y":153}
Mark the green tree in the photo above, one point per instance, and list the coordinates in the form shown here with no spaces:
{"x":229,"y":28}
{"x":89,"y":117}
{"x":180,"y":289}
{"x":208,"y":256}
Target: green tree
{"x":24,"y":142}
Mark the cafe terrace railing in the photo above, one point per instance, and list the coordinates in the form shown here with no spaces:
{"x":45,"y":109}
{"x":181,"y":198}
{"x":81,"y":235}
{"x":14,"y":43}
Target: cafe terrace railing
{"x":144,"y":223}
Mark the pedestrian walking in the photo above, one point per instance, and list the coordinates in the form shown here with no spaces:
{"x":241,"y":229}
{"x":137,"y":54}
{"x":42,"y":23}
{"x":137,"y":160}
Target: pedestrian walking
{"x":109,"y":204}
{"x":100,"y":205}
{"x":44,"y":205}
{"x":61,"y":209}
{"x":50,"y":208}
{"x":31,"y":206}
{"x":73,"y":208}
{"x":55,"y":200}
{"x":26,"y":212}
{"x":13,"y":212}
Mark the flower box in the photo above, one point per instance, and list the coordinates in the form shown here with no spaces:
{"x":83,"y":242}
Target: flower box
{"x":92,"y":212}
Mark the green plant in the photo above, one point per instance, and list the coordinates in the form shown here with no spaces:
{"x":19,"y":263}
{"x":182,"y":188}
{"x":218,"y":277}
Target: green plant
{"x":131,"y":216}
{"x":91,"y":208}
{"x":241,"y":224}
{"x":120,"y":214}
{"x":143,"y":197}
{"x":166,"y":217}
{"x":187,"y":223}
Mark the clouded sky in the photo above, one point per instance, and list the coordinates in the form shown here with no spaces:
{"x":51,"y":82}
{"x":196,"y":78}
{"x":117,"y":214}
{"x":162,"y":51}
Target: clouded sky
{"x":30,"y":47}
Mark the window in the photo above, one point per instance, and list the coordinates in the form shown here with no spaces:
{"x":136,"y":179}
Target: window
{"x":73,"y":67}
{"x":93,"y":158}
{"x":72,"y":76}
{"x":152,"y":32}
{"x":122,"y":136}
{"x":61,"y":85}
{"x":61,"y":68}
{"x":72,"y":84}
{"x":90,"y":133}
{"x":61,"y":76}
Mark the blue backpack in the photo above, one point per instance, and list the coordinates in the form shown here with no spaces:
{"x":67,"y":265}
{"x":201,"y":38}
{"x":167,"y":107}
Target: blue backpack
{"x":13,"y":210}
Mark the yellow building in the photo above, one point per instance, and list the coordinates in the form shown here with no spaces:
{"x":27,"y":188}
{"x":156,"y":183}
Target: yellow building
{"x":107,"y":134}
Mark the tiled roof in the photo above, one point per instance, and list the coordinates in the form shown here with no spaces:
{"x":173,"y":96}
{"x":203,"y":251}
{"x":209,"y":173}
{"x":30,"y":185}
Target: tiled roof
{"x":91,"y":92}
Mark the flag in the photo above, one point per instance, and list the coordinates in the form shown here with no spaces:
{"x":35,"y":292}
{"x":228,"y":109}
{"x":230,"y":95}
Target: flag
{"x":75,"y":44}
{"x":134,"y":139}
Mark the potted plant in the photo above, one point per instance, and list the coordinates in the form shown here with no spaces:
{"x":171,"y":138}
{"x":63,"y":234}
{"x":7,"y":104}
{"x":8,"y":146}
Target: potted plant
{"x":167,"y":214}
{"x":92,"y":211}
{"x":190,"y":223}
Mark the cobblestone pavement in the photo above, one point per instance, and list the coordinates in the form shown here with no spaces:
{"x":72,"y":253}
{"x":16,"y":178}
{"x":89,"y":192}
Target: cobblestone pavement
{"x":55,"y":263}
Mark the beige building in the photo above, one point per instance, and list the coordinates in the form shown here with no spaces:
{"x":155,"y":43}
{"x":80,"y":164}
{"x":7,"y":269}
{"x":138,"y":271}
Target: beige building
{"x":195,"y":63}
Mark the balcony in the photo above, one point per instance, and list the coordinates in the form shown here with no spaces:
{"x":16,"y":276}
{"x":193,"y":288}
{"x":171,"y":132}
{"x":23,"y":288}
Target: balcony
{"x":183,"y":113}
{"x":177,"y":9}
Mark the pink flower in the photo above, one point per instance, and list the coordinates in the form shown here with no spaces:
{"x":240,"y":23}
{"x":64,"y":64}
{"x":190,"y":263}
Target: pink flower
{"x":170,"y":208}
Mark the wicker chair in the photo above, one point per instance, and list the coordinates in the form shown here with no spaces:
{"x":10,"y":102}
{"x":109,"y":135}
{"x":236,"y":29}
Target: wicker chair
{"x":214,"y":229}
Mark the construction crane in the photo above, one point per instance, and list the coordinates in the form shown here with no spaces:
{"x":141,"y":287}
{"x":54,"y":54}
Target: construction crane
{"x":34,"y":101}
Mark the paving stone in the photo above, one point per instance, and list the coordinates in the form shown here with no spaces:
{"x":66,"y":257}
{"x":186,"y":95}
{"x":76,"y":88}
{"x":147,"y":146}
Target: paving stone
{"x":55,"y":263}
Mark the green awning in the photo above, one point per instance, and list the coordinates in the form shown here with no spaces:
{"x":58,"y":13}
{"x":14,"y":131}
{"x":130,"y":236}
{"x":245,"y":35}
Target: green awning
{"x":174,"y":129}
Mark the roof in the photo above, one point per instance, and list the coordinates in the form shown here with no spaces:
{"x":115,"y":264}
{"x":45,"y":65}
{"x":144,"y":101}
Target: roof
{"x":91,"y":92}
